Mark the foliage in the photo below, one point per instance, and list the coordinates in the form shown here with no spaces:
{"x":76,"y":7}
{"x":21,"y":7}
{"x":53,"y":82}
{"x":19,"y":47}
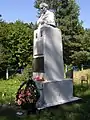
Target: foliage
{"x":83,"y":55}
{"x":86,"y":44}
{"x":3,"y":58}
{"x":20,"y":38}
{"x":26,"y":73}
{"x":16,"y":41}
{"x":4,"y":55}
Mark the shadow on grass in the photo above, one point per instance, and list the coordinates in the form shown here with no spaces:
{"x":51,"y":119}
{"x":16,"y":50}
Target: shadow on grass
{"x":72,"y":111}
{"x":7,"y":113}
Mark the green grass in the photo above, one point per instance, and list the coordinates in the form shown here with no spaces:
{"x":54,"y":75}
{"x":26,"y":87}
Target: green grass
{"x":72,"y":111}
{"x":8,"y":89}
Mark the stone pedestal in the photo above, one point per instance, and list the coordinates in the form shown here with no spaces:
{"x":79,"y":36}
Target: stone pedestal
{"x":55,"y":93}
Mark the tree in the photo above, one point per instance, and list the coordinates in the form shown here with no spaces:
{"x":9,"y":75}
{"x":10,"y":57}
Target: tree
{"x":3,"y":58}
{"x":67,"y":13}
{"x":4,"y":55}
{"x":17,"y":39}
{"x":83,"y":56}
{"x":20,"y":40}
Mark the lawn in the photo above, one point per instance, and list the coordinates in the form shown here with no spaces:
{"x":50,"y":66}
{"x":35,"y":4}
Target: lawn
{"x":73,"y":111}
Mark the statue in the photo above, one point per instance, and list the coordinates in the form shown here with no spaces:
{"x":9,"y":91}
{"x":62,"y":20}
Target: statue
{"x":47,"y":17}
{"x":48,"y":66}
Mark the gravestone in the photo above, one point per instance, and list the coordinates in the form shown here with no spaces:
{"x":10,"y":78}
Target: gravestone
{"x":48,"y":63}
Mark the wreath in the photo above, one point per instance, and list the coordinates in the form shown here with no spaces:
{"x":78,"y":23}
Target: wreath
{"x":28,"y":96}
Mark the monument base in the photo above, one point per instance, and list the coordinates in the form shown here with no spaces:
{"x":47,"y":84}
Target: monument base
{"x":54,"y":93}
{"x":58,"y":103}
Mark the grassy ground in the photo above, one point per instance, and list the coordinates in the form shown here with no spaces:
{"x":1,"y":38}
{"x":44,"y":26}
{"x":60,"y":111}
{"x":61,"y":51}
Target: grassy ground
{"x":8,"y":89}
{"x":71,"y":111}
{"x":77,"y":75}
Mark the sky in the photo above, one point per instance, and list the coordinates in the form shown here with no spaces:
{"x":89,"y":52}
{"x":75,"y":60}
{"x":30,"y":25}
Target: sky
{"x":12,"y":10}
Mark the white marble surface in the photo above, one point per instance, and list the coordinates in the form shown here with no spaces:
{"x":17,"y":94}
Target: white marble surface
{"x":55,"y":92}
{"x":46,"y":17}
{"x":48,"y":42}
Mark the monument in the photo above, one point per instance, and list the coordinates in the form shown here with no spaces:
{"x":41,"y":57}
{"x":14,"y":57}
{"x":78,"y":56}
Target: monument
{"x":48,"y":62}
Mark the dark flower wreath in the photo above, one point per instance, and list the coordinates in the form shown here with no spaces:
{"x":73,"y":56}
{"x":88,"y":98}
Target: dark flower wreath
{"x":27,"y":95}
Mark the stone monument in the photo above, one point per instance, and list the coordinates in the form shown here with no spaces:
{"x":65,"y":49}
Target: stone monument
{"x":48,"y":62}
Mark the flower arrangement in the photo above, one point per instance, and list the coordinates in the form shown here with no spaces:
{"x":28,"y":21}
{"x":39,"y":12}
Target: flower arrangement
{"x":28,"y":95}
{"x":38,"y":78}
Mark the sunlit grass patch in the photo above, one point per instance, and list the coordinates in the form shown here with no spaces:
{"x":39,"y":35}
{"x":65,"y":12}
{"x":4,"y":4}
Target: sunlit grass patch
{"x":8,"y":89}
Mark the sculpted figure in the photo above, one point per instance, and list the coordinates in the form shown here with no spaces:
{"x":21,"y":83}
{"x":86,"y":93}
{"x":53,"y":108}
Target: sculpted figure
{"x":47,"y":17}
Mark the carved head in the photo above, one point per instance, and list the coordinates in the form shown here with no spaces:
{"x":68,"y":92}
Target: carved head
{"x":43,"y":7}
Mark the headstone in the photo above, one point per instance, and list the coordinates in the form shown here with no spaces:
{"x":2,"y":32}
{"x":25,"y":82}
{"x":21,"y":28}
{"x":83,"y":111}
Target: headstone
{"x":48,"y":63}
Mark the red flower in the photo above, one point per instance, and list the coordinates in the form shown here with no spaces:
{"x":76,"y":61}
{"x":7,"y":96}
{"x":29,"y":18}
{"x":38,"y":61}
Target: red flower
{"x":37,"y":78}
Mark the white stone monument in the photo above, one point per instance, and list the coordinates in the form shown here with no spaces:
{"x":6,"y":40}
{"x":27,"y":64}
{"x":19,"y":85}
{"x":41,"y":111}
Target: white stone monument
{"x":48,"y":62}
